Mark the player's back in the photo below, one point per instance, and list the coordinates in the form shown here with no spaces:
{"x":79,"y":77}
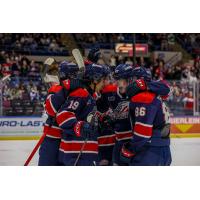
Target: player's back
{"x":149,"y":116}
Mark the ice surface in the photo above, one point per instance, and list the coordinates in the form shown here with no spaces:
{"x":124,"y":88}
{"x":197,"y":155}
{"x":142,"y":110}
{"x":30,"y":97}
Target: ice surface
{"x":15,"y":152}
{"x":185,"y":152}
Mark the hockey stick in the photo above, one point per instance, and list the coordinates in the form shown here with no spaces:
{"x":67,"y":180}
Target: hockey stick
{"x":79,"y":60}
{"x":80,"y":153}
{"x":47,"y":63}
{"x":34,"y":150}
{"x":91,"y":118}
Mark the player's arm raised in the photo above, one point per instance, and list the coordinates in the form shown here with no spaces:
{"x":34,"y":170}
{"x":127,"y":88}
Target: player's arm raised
{"x":158,"y":87}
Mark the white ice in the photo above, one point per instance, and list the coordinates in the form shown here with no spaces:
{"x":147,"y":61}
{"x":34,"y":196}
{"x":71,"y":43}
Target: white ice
{"x":185,"y":152}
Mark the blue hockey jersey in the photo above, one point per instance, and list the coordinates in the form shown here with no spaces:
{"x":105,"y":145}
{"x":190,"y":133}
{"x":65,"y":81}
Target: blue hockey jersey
{"x":49,"y":149}
{"x":76,"y":108}
{"x":148,"y":117}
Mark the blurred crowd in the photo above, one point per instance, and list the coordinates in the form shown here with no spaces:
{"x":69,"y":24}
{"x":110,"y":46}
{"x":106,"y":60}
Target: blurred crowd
{"x":186,"y":72}
{"x":18,"y":65}
{"x":26,"y":88}
{"x":32,"y":43}
{"x":163,"y":41}
{"x":25,"y":92}
{"x":190,"y":42}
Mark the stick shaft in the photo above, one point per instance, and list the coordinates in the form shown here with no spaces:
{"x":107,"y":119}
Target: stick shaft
{"x":34,"y":150}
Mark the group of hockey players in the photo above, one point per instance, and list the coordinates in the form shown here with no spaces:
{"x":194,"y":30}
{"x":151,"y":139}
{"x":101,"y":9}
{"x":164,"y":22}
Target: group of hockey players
{"x":104,"y":118}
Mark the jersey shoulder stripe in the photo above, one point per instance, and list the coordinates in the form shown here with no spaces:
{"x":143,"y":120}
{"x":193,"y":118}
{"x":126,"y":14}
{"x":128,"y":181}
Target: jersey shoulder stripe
{"x":80,"y":92}
{"x":55,"y":88}
{"x":109,"y":88}
{"x":143,"y":97}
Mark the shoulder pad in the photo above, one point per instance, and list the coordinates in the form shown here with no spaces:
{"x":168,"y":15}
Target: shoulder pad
{"x":54,"y":89}
{"x":80,"y":92}
{"x":109,"y":88}
{"x":143,"y":97}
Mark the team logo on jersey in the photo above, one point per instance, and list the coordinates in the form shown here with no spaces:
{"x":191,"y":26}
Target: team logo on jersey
{"x":121,"y":111}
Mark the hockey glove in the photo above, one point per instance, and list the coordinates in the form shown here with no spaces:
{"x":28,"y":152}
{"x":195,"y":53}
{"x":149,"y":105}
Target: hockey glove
{"x":85,"y":130}
{"x":106,"y":122}
{"x":70,"y":85}
{"x":136,"y":87}
{"x":94,"y":55}
{"x":126,"y":153}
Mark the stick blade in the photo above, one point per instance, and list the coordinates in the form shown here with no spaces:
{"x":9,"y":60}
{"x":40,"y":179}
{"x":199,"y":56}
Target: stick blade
{"x":79,"y":59}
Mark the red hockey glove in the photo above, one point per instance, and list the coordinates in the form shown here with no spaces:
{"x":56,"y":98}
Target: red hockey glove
{"x":72,"y":84}
{"x":136,"y":87}
{"x":84,"y":129}
{"x":126,"y":153}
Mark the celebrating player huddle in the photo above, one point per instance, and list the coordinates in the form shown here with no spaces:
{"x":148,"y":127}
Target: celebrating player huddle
{"x":99,"y":117}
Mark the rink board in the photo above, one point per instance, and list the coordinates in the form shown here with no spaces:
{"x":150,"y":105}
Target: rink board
{"x":21,"y":128}
{"x":30,"y":128}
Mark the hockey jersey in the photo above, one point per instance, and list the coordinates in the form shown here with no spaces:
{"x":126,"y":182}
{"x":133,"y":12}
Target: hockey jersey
{"x":148,"y":115}
{"x":121,"y":132}
{"x":76,"y":108}
{"x":48,"y":153}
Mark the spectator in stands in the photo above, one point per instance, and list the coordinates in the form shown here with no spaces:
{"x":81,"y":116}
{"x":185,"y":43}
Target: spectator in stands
{"x":43,"y":94}
{"x":171,"y":41}
{"x":188,"y":75}
{"x":24,"y":68}
{"x":6,"y":67}
{"x":53,"y":46}
{"x":189,"y":101}
{"x":158,"y":70}
{"x":34,"y":95}
{"x":120,"y":37}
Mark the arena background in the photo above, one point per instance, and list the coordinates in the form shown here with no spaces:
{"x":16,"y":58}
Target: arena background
{"x":173,"y":57}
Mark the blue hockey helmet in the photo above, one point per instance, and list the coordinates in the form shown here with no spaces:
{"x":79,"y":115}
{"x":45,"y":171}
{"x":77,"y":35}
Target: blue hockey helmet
{"x":94,"y":72}
{"x":123,"y":71}
{"x":142,"y":72}
{"x":67,"y":70}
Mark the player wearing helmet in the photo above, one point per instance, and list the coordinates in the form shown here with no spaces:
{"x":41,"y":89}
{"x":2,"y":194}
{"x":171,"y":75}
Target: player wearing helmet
{"x":118,"y":100}
{"x":57,"y":93}
{"x":79,"y":144}
{"x":150,"y":144}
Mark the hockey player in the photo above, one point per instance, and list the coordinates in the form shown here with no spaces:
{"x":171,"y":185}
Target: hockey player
{"x":116,"y":97}
{"x":150,"y":125}
{"x":106,"y":139}
{"x":67,"y":73}
{"x":48,"y":153}
{"x":79,"y":144}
